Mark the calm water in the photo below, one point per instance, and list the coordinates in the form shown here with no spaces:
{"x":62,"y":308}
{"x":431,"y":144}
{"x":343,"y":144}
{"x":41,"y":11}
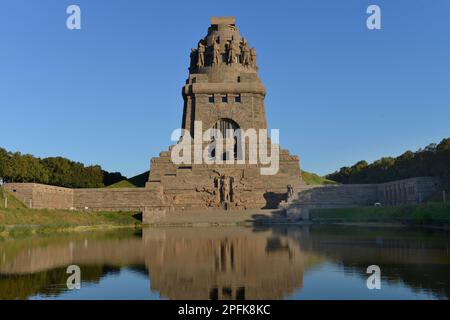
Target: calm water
{"x":229,"y":263}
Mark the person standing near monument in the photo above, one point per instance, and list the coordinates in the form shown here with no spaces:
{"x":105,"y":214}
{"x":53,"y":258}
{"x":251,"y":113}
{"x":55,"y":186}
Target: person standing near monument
{"x":290,"y":192}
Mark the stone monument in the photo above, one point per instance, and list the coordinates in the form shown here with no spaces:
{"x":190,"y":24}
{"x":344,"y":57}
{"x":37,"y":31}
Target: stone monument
{"x":223,"y":92}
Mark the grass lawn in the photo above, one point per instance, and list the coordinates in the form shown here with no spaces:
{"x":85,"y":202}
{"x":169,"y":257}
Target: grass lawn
{"x":134,"y":182}
{"x":426,"y":213}
{"x":122,"y":184}
{"x":314,"y":179}
{"x":19,"y":220}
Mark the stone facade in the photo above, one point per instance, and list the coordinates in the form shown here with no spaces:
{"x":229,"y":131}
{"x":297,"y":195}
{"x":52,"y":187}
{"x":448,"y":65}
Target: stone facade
{"x":111,"y":199}
{"x":40,"y":196}
{"x":223,"y":91}
{"x":400,"y":192}
{"x":407,"y":191}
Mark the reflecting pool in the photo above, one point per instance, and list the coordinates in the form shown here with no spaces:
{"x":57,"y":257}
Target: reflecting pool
{"x":317,"y":262}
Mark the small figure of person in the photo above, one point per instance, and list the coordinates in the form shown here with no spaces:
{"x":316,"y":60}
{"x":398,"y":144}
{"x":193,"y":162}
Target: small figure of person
{"x":290,"y":191}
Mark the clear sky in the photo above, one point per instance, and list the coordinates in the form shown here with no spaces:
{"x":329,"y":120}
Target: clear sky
{"x":110,"y":93}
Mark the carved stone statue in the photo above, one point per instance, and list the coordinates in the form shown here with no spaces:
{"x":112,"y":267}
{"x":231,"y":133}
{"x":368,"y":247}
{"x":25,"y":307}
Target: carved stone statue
{"x":245,"y":53}
{"x":193,"y":59}
{"x":253,"y":57}
{"x":218,"y":189}
{"x":232,"y":51}
{"x":226,"y":189}
{"x":216,"y":53}
{"x":201,"y":55}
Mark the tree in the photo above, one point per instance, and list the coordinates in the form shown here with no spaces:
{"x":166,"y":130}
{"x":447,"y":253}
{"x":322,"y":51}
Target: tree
{"x":433,"y":160}
{"x":110,"y":178}
{"x":58,"y":171}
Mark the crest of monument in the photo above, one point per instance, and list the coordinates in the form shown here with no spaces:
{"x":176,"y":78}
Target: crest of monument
{"x":223,"y":92}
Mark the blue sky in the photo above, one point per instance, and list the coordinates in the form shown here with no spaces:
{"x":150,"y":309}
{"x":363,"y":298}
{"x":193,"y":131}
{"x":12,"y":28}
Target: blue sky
{"x":110,"y":93}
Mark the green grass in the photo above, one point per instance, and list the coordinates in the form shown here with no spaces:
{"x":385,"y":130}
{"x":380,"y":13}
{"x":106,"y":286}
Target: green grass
{"x":314,"y":179}
{"x":13,"y":203}
{"x":427,"y":213}
{"x":122,"y":184}
{"x":134,"y":182}
{"x":24,"y":221}
{"x":140,"y":180}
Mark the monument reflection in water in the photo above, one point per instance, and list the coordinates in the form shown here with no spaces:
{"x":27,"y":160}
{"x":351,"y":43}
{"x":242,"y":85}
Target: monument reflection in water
{"x":229,"y":263}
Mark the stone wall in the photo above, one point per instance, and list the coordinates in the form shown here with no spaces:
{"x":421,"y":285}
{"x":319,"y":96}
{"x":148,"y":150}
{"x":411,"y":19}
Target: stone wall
{"x":40,"y":196}
{"x":339,"y":195}
{"x":408,"y":191}
{"x":120,"y":199}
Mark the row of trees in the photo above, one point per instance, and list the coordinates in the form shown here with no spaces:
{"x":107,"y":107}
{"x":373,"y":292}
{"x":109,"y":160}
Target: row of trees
{"x":434,"y":160}
{"x":57,"y":171}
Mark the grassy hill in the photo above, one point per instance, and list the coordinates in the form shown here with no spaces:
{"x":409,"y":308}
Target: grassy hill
{"x":122,"y":184}
{"x":134,"y":182}
{"x":312,"y":178}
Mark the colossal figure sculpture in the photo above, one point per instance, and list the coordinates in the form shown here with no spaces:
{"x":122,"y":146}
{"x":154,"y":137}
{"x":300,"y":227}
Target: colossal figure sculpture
{"x":245,"y":51}
{"x":228,"y":97}
{"x":253,"y":57}
{"x":201,"y":55}
{"x":232,"y":51}
{"x":216,"y":53}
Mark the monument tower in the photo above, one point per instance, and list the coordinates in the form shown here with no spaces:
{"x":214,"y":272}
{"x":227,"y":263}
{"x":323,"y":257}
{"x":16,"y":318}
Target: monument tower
{"x":223,"y":92}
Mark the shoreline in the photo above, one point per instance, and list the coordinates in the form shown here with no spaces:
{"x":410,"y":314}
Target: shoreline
{"x":27,"y":222}
{"x":13,"y":231}
{"x":16,"y":231}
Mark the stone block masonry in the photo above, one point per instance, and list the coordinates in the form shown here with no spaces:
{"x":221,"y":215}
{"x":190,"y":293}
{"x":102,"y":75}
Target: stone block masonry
{"x":39,"y":196}
{"x":120,"y":199}
{"x":400,"y":192}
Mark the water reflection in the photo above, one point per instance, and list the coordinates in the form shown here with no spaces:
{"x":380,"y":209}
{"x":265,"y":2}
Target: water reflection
{"x":228,"y":262}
